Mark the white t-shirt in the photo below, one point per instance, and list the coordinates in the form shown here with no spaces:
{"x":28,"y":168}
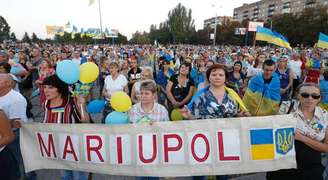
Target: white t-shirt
{"x":295,"y":66}
{"x":113,"y":86}
{"x":14,"y":105}
{"x":251,"y":71}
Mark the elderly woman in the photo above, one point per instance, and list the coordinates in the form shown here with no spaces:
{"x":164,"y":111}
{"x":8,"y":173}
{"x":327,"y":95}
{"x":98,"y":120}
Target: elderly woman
{"x":311,"y":136}
{"x":113,"y":83}
{"x":215,"y":100}
{"x":146,"y":74}
{"x":59,"y":107}
{"x":8,"y":165}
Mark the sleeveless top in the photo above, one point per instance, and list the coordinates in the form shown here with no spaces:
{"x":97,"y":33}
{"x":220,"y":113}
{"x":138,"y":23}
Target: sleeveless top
{"x":284,"y":78}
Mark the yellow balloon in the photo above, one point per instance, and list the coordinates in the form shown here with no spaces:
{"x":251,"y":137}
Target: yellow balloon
{"x":88,"y":72}
{"x":120,"y":101}
{"x":176,"y":115}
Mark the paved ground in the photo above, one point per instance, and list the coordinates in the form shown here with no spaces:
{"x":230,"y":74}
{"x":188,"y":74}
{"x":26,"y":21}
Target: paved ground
{"x":54,"y":174}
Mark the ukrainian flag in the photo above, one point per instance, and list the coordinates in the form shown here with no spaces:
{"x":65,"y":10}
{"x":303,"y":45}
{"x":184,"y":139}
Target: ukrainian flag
{"x":323,"y":41}
{"x":262,"y":99}
{"x":265,"y":34}
{"x":262,"y":147}
{"x":280,"y":40}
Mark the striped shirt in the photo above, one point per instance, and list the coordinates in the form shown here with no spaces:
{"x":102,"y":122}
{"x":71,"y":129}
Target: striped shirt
{"x":66,"y":113}
{"x":158,"y":113}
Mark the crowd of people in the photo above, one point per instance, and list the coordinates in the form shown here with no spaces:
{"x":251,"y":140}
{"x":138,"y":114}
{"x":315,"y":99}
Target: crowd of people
{"x":200,"y":82}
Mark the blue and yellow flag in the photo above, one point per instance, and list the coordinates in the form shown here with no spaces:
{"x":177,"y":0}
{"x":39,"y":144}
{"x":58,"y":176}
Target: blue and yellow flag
{"x":323,"y":41}
{"x":265,"y":34}
{"x":262,"y":99}
{"x":262,"y":146}
{"x":280,"y":40}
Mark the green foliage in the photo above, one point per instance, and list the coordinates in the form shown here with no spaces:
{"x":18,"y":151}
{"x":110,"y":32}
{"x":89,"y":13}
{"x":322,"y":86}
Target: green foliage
{"x":13,"y":36}
{"x":26,"y":38}
{"x":302,"y":28}
{"x":140,"y":38}
{"x":35,"y":38}
{"x":4,"y":29}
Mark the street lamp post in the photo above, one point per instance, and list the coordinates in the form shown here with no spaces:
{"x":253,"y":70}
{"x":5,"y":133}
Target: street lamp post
{"x":215,"y":24}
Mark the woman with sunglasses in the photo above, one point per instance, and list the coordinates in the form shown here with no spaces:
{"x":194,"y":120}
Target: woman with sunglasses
{"x":162,"y":77}
{"x":311,"y":136}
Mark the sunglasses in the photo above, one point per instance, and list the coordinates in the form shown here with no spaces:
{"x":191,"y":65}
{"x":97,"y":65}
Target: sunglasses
{"x":307,"y":95}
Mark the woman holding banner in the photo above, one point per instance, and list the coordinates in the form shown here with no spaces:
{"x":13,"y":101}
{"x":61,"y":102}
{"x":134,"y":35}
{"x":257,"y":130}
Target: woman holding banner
{"x":59,"y":107}
{"x":215,"y":100}
{"x":311,"y":136}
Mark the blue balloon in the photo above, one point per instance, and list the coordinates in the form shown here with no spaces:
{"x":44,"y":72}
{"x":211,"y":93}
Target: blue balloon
{"x":96,"y":106}
{"x":68,"y":71}
{"x":117,"y":118}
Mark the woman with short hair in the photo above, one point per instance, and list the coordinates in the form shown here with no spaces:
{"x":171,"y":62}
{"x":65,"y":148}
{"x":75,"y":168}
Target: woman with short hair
{"x":114,"y":82}
{"x":61,"y":108}
{"x":216,"y":100}
{"x":148,"y":109}
{"x":311,"y":135}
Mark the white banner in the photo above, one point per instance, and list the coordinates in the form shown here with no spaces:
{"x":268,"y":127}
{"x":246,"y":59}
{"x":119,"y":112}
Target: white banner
{"x":167,"y":149}
{"x":212,"y":36}
{"x":252,"y":26}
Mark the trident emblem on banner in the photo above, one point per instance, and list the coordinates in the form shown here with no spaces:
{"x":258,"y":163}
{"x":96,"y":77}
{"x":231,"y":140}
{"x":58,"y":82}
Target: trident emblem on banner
{"x":284,"y":140}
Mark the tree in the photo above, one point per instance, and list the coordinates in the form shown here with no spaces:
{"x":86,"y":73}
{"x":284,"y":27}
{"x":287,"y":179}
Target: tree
{"x":140,"y":38}
{"x":180,"y":24}
{"x":35,"y":38}
{"x":121,"y":39}
{"x":13,"y":36}
{"x":26,"y":38}
{"x":4,"y":29}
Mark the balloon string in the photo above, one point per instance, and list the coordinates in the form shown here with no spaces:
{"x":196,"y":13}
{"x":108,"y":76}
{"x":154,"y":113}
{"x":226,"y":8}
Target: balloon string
{"x":82,"y":113}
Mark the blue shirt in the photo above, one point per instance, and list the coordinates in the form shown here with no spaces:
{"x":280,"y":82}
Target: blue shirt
{"x":205,"y":106}
{"x":324,"y":91}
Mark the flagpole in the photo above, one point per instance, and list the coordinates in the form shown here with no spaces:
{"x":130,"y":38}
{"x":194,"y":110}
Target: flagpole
{"x":100,"y":19}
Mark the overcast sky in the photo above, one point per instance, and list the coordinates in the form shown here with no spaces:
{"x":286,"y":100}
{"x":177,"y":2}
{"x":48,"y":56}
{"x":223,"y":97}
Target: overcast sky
{"x":128,"y":16}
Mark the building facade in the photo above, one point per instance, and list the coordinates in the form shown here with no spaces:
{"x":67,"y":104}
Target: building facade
{"x":265,"y":9}
{"x":209,"y":23}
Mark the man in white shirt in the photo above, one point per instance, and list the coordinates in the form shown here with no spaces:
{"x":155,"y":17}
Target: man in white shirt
{"x":12,"y":102}
{"x":295,"y":65}
{"x":14,"y":106}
